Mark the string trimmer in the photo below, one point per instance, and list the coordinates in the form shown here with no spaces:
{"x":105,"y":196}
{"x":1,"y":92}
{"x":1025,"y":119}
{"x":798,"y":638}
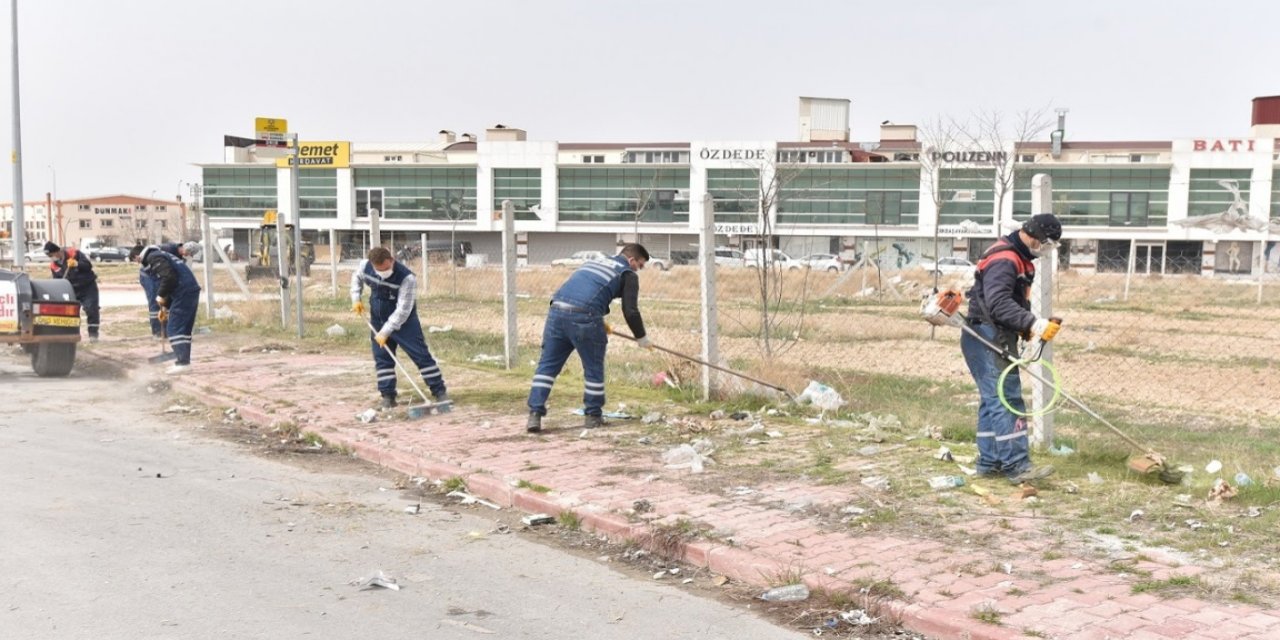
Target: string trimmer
{"x":943,"y":309}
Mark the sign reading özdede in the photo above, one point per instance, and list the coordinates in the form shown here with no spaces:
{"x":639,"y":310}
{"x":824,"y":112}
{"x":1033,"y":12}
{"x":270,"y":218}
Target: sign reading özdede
{"x":321,"y":155}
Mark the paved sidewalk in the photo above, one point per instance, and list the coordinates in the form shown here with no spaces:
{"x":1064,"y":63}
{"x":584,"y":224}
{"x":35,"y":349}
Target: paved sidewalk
{"x":759,"y":535}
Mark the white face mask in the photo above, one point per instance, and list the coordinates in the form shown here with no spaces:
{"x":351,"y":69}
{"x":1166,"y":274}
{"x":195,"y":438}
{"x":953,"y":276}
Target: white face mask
{"x":1044,"y":248}
{"x":384,"y":274}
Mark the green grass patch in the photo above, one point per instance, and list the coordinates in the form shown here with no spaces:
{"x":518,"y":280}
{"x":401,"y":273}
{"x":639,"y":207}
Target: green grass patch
{"x":525,"y":484}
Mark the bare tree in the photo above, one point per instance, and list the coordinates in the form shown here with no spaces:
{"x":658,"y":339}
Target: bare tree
{"x":994,"y":131}
{"x":938,"y":137}
{"x":644,"y":196}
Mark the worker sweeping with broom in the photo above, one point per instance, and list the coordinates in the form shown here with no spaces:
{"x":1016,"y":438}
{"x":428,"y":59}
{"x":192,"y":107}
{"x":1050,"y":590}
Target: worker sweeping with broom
{"x":1000,"y":313}
{"x":393,"y":314}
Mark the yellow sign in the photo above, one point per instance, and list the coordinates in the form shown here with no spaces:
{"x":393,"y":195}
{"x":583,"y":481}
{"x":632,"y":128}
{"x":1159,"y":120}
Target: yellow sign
{"x":270,"y":125}
{"x":321,"y":155}
{"x":57,"y":321}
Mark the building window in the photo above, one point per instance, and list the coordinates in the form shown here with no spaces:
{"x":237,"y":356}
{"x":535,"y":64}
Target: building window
{"x":161,"y":223}
{"x":318,"y":193}
{"x":655,"y":157}
{"x":161,"y":207}
{"x":966,"y":194}
{"x":823,"y":156}
{"x":140,"y":224}
{"x":1214,"y":191}
{"x":593,"y":159}
{"x":1082,"y":196}
{"x":139,"y":207}
{"x":618,"y":194}
{"x":1129,"y":209}
{"x":1027,"y":157}
{"x":107,"y":223}
{"x":83,"y":207}
{"x":523,"y":187}
{"x":884,"y":207}
{"x":239,"y":192}
{"x":420,"y":193}
{"x":86,"y":224}
{"x":839,"y":195}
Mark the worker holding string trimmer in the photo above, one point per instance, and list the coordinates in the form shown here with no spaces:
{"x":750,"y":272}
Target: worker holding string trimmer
{"x":1000,"y":311}
{"x":575,"y":321}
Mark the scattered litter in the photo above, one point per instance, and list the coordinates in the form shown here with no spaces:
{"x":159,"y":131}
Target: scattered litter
{"x":368,"y":416}
{"x":932,"y":432}
{"x":674,"y":570}
{"x":1026,"y":492}
{"x":1136,"y":515}
{"x":642,"y":506}
{"x":968,"y":471}
{"x":231,"y":414}
{"x":690,"y":456}
{"x":1094,"y":478}
{"x":1077,"y":566}
{"x":445,"y":329}
{"x":1182,"y":500}
{"x":486,"y":358}
{"x":822,"y":396}
{"x":644,"y":440}
{"x":741,"y":491}
{"x":616,"y":415}
{"x":720,"y":581}
{"x":177,"y":408}
{"x":751,"y":430}
{"x":1214,"y":466}
{"x":869,"y":450}
{"x":1194,"y":524}
{"x":789,"y":593}
{"x":536,"y":519}
{"x":773,"y":434}
{"x":1253,"y":512}
{"x":1243,"y":479}
{"x":718,"y":414}
{"x":944,"y":454}
{"x":1061,"y":450}
{"x":858,"y":617}
{"x":651,"y":418}
{"x":335,"y":331}
{"x":1007,"y":568}
{"x":378,"y":580}
{"x":739,"y":415}
{"x":414,"y":510}
{"x":879,"y":483}
{"x":224,"y":313}
{"x":1221,"y":491}
{"x":686,"y":581}
{"x":467,"y":498}
{"x":940,"y":483}
{"x":853,"y":511}
{"x":1071,"y":487}
{"x":157,"y":387}
{"x":1276,"y":472}
{"x":659,"y":575}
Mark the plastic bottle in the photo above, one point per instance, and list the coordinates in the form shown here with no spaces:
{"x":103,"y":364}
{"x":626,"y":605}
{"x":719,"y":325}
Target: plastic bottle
{"x":788,"y":593}
{"x":939,"y":483}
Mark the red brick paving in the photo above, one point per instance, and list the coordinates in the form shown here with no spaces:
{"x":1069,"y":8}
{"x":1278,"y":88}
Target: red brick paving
{"x":1079,"y":600}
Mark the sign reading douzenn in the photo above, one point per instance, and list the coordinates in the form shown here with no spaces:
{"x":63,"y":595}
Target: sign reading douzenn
{"x":321,"y":155}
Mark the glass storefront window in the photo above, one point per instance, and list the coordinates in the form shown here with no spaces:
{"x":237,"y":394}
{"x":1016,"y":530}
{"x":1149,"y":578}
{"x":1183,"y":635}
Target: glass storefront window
{"x":1082,"y":195}
{"x":422,"y":193}
{"x":862,"y":195}
{"x":523,"y":187}
{"x":239,"y":192}
{"x":613,"y":194}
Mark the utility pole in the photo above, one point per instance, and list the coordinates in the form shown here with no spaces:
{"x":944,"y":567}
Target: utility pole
{"x":19,"y":217}
{"x":297,"y":229}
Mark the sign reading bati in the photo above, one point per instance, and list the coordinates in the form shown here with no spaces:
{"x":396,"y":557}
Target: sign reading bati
{"x":1203,"y":145}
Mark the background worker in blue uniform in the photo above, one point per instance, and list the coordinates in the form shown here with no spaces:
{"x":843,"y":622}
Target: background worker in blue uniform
{"x":393,"y":311}
{"x":1000,"y":310}
{"x":576,"y":322}
{"x":73,"y":266}
{"x":178,"y":295}
{"x":149,"y":287}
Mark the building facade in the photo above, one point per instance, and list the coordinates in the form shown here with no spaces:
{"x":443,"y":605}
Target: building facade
{"x":1177,"y":206}
{"x":115,"y":220}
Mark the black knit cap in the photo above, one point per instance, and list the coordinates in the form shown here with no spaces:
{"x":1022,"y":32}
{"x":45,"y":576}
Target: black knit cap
{"x":1043,"y":226}
{"x":50,"y":247}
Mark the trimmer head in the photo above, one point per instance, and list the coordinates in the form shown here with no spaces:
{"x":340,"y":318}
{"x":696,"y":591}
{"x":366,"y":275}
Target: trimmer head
{"x":1155,"y":464}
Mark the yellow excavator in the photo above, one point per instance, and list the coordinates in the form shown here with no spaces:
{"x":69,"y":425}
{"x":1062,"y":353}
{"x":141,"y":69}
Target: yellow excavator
{"x":264,"y":259}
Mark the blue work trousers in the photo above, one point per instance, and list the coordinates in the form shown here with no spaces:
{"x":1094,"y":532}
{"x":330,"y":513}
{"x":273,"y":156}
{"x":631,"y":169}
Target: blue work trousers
{"x":564,"y":332}
{"x":1002,"y":435}
{"x":150,"y":286}
{"x":182,"y":321}
{"x":409,"y":336}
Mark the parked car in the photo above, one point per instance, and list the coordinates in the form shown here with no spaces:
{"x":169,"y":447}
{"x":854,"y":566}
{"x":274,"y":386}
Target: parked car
{"x":821,"y":262}
{"x":579,"y":258}
{"x":37,"y":255}
{"x":727,"y":257}
{"x":659,"y":263}
{"x":112,"y":254}
{"x":757,"y":257}
{"x":948,"y":265}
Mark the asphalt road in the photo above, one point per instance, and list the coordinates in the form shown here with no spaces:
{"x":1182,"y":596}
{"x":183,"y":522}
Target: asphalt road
{"x":120,"y":521}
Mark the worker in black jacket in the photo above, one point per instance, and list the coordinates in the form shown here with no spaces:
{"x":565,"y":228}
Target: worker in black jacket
{"x":73,"y":266}
{"x":1000,"y":311}
{"x":178,"y":295}
{"x":575,"y":321}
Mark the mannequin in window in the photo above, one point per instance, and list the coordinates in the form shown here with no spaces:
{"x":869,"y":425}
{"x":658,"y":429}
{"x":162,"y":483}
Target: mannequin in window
{"x":1233,"y":257}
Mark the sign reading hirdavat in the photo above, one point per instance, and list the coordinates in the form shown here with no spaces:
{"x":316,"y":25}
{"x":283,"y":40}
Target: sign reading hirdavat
{"x":976,"y":157}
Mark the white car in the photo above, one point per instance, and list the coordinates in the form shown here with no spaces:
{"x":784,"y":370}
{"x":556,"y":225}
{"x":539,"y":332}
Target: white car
{"x":821,"y":262}
{"x":655,"y":262}
{"x":948,"y":265}
{"x":579,"y":258}
{"x":37,"y":255}
{"x":757,"y":257}
{"x":726,"y":257}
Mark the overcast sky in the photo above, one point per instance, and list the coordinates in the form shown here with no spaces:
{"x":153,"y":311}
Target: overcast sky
{"x":121,"y":96}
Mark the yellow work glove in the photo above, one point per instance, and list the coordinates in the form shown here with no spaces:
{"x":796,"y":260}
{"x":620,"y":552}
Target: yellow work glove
{"x":357,"y":307}
{"x":164,"y":315}
{"x":71,"y":263}
{"x":608,"y":328}
{"x":380,"y":339}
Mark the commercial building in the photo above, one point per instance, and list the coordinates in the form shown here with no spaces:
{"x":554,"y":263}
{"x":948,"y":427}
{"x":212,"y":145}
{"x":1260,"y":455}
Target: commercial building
{"x":115,"y":220}
{"x":1173,"y":206}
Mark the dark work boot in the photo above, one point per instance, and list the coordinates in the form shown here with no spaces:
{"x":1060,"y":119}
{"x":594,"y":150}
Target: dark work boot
{"x":593,"y":422}
{"x":388,"y":402}
{"x":441,"y":397}
{"x":535,"y":422}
